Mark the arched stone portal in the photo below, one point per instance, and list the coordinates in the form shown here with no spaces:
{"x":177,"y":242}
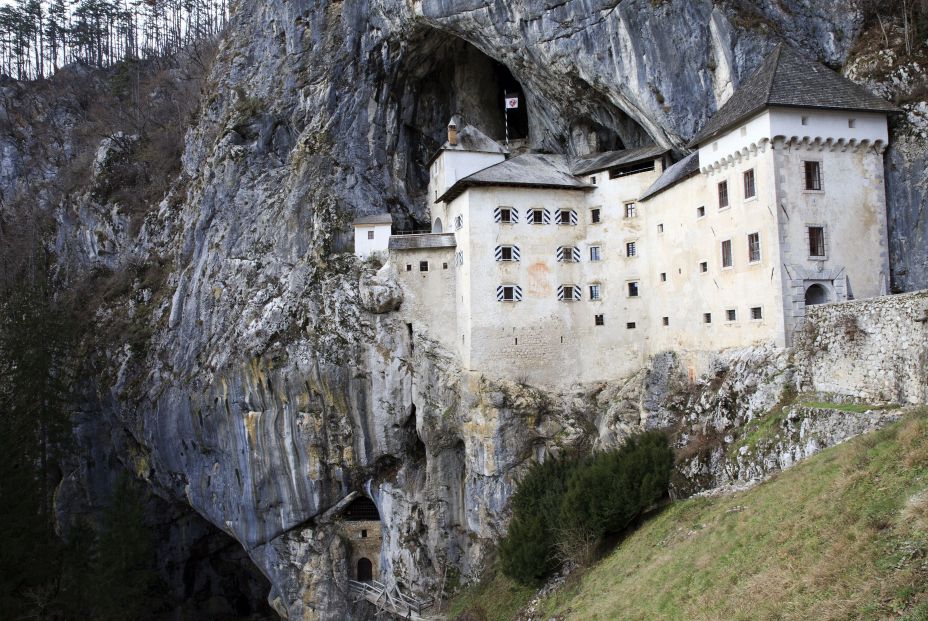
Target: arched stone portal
{"x":817,"y":294}
{"x":365,"y":570}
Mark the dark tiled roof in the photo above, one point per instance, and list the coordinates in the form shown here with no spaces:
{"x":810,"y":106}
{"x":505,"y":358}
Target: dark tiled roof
{"x":377,"y":218}
{"x":528,"y":170}
{"x":470,"y":139}
{"x":683,"y":169}
{"x":788,"y":79}
{"x":603,"y":161}
{"x":423,"y":241}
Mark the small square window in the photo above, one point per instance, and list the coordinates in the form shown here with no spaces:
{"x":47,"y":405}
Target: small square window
{"x":444,"y":266}
{"x":363,"y":534}
{"x":723,"y":195}
{"x":506,"y":253}
{"x":700,"y":212}
{"x":804,"y":120}
{"x":630,"y":325}
{"x":536,"y":216}
{"x":595,"y":216}
{"x":509,"y":295}
{"x":505,"y":215}
{"x":665,"y":321}
{"x":757,"y":313}
{"x":707,"y":317}
{"x":660,"y":228}
{"x":563,"y":216}
{"x":731,"y":314}
{"x":631,"y":249}
{"x":595,"y":253}
{"x":423,"y":266}
{"x":631,"y":210}
{"x":633,"y":289}
{"x":715,"y":146}
{"x":744,"y":131}
{"x":370,"y":234}
{"x":704,"y":267}
{"x":663,"y":276}
{"x":409,"y":267}
{"x":852,"y":123}
{"x":596,"y":292}
{"x":600,"y":320}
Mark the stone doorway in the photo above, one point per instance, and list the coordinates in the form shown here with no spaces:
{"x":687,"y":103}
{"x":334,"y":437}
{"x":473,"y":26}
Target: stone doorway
{"x":365,"y":570}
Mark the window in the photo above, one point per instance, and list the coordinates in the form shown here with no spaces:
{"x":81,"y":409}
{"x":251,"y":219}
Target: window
{"x":509,"y":293}
{"x":596,"y":292}
{"x":633,"y":289}
{"x":852,"y":123}
{"x":660,"y":228}
{"x":700,"y":212}
{"x":363,"y":533}
{"x":757,"y":313}
{"x":595,"y":216}
{"x":723,"y":195}
{"x":813,"y":172}
{"x":458,"y":222}
{"x":663,"y":276}
{"x":596,"y":253}
{"x":744,"y":131}
{"x":566,"y":216}
{"x":507,"y":253}
{"x":631,"y":169}
{"x":459,"y":258}
{"x":631,"y":210}
{"x":593,"y":180}
{"x":444,"y":266}
{"x":568,"y":254}
{"x":370,"y":234}
{"x":726,"y":254}
{"x":804,"y":120}
{"x":506,"y":215}
{"x":409,"y":267}
{"x":537,"y":216}
{"x":665,"y":321}
{"x":631,"y":249}
{"x":568,"y":293}
{"x":600,"y":320}
{"x":704,"y":267}
{"x":731,"y":314}
{"x":816,"y":241}
{"x":707,"y":317}
{"x":749,"y":190}
{"x":754,"y":247}
{"x":423,"y":266}
{"x":630,"y":325}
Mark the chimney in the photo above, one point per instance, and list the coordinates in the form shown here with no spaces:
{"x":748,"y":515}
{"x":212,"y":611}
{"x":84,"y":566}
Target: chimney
{"x":452,"y":133}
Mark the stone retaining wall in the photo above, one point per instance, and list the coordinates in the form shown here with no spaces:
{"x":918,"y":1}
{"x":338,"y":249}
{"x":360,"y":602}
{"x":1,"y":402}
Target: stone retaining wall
{"x":875,"y":349}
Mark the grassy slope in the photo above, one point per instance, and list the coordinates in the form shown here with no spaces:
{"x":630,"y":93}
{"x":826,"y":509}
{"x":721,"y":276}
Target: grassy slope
{"x":841,"y":536}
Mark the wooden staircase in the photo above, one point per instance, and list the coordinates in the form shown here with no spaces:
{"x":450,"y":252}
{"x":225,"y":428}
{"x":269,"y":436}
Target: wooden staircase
{"x":392,"y":601}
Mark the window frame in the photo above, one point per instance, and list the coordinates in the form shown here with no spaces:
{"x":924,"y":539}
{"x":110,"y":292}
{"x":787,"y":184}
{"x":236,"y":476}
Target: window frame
{"x":707,"y":319}
{"x":505,"y":215}
{"x":753,"y":184}
{"x":760,"y":255}
{"x":728,"y":258}
{"x":598,"y":251}
{"x":823,"y":243}
{"x":511,"y":289}
{"x":630,"y":209}
{"x":424,"y":266}
{"x":598,"y":287}
{"x":631,"y":249}
{"x":731,"y":315}
{"x":531,"y":216}
{"x":503,"y":251}
{"x":722,"y":190}
{"x":700,"y":212}
{"x":703,"y":267}
{"x":820,"y":177}
{"x":633,"y":289}
{"x":599,"y":320}
{"x":370,"y":235}
{"x":760,"y":310}
{"x":596,"y":215}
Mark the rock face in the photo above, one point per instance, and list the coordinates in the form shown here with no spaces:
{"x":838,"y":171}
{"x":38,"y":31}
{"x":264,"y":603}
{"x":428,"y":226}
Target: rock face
{"x":271,"y":380}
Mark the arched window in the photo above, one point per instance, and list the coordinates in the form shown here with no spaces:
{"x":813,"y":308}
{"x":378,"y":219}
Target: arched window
{"x":437,"y":227}
{"x":365,"y":571}
{"x":816,"y":294}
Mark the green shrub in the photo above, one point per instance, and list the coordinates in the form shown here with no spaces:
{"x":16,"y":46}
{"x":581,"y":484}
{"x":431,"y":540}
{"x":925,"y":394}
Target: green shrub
{"x":597,"y":495}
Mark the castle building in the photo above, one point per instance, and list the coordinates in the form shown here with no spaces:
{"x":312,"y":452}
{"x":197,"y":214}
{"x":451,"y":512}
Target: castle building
{"x":557,"y":270}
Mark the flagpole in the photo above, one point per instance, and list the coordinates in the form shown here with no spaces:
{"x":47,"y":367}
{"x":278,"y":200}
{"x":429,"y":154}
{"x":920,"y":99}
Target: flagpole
{"x":506,"y":115}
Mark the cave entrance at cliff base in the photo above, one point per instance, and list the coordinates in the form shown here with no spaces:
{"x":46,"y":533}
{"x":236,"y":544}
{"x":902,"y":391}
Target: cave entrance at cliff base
{"x":365,"y":571}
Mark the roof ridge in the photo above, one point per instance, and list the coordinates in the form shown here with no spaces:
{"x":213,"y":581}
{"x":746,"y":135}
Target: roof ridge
{"x":771,"y":78}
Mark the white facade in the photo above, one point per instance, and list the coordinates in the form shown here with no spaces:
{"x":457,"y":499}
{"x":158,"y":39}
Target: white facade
{"x":786,"y":208}
{"x":371,"y":238}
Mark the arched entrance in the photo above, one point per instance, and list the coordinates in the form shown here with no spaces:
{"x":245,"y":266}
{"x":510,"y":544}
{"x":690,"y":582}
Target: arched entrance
{"x":437,"y":227}
{"x":816,"y":294}
{"x":365,"y":570}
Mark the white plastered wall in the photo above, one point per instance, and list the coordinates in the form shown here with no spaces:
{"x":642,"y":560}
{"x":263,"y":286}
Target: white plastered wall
{"x":364,"y":247}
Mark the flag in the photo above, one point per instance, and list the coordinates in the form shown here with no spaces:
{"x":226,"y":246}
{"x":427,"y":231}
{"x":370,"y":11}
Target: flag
{"x":512,"y":102}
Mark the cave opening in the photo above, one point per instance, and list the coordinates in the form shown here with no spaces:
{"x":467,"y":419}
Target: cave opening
{"x":443,"y":76}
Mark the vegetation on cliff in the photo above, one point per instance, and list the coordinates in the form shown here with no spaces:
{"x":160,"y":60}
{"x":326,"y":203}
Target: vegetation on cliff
{"x":843,"y":535}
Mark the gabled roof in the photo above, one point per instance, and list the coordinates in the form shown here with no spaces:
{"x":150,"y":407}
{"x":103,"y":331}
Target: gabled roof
{"x":470,"y":139}
{"x":377,"y":218}
{"x":528,"y":170}
{"x":422,"y":241}
{"x":684,"y":169}
{"x":788,"y":79}
{"x":609,"y":159}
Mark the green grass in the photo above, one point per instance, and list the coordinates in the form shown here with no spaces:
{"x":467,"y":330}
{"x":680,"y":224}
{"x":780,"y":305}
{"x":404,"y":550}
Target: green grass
{"x":856,"y":408}
{"x":843,"y":535}
{"x":495,"y":598}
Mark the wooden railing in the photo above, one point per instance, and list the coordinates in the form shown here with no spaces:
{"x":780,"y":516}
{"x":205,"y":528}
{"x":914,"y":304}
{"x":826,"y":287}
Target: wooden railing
{"x":389,"y":599}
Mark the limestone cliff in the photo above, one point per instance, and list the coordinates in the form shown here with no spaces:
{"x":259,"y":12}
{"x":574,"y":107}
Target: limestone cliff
{"x":262,"y":380}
